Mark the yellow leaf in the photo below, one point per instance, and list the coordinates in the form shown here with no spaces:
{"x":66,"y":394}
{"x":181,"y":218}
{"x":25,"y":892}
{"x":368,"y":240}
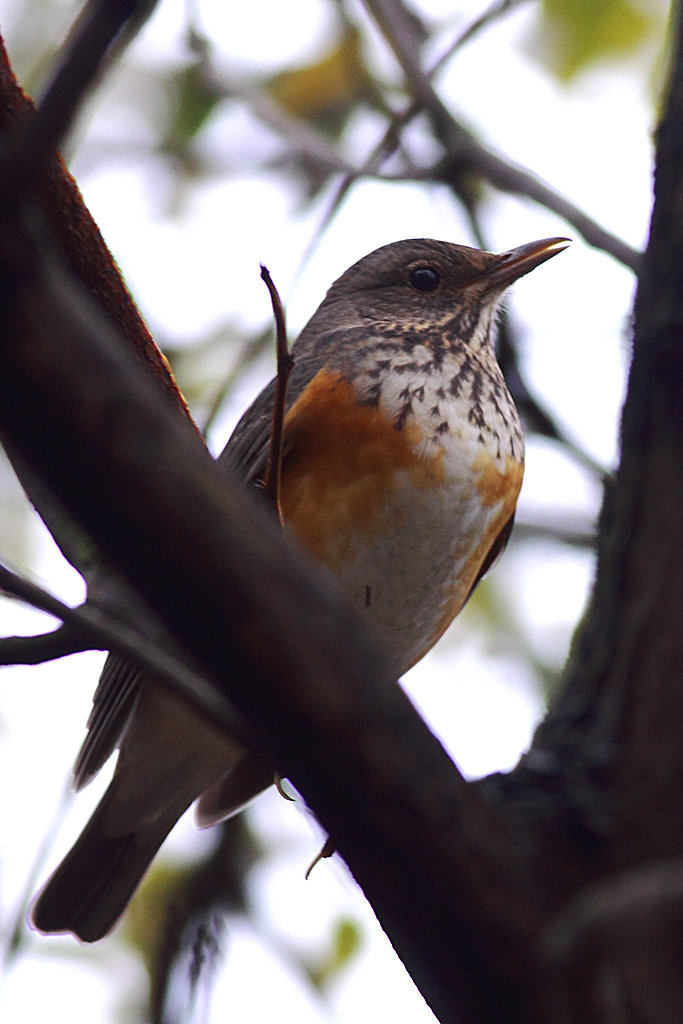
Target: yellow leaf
{"x":327,"y":90}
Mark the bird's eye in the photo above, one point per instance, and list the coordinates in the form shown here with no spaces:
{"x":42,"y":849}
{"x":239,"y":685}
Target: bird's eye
{"x":424,"y":278}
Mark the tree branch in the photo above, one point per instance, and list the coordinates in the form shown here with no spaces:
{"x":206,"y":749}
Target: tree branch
{"x":465,"y":154}
{"x":35,"y":650}
{"x":87,"y":628}
{"x":94,"y":36}
{"x":267,"y":629}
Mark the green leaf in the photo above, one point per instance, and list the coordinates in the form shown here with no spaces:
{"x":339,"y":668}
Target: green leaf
{"x":346,"y":940}
{"x":574,"y":34}
{"x":192,"y":103}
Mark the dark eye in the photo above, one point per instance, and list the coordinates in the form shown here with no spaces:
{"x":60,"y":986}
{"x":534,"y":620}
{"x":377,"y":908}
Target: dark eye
{"x":424,"y":279}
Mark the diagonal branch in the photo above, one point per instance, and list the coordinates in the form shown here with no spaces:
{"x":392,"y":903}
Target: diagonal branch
{"x":268,"y":629}
{"x":35,"y":650}
{"x":465,"y":153}
{"x":87,"y":628}
{"x":95,"y":34}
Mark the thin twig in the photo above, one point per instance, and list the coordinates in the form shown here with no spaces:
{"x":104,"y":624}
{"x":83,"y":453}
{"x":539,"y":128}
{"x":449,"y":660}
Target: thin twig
{"x":100,"y":632}
{"x":35,"y":650}
{"x":271,"y":484}
{"x":466,"y":153}
{"x":565,"y":528}
{"x":17,"y":933}
{"x":492,"y":13}
{"x":250,"y":352}
{"x":533,"y":411}
{"x":93,"y":41}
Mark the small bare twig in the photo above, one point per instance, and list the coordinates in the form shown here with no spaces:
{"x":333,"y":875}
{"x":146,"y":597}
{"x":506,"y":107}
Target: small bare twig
{"x":34,"y":650}
{"x":285,"y":363}
{"x":466,"y":153}
{"x":98,"y":631}
{"x":492,"y":13}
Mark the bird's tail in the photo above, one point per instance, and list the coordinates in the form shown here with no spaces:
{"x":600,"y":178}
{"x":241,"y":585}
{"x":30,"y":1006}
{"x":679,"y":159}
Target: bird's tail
{"x":93,"y":885}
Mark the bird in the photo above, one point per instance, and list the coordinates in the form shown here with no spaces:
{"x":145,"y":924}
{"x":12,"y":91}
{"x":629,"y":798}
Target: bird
{"x":402,"y":461}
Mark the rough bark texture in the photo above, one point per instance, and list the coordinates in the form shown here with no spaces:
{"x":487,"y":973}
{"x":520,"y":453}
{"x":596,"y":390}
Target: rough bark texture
{"x":552,"y":894}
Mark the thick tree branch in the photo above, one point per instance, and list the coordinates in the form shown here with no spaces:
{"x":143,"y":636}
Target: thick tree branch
{"x":75,"y":405}
{"x":90,"y":260}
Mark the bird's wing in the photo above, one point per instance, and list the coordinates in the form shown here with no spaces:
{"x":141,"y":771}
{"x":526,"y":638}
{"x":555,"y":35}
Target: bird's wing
{"x":495,"y":551}
{"x":246,"y":453}
{"x":113,"y":704}
{"x":118,"y":688}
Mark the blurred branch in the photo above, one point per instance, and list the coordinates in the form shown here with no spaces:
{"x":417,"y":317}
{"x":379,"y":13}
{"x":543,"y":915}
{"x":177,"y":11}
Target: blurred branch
{"x":390,"y":141}
{"x":93,"y":38}
{"x":465,"y":154}
{"x":16,"y":934}
{"x":250,"y":352}
{"x":494,"y":12}
{"x":178,"y":926}
{"x":533,"y":411}
{"x":91,"y":629}
{"x":34,"y":650}
{"x":302,"y":140}
{"x":562,"y":528}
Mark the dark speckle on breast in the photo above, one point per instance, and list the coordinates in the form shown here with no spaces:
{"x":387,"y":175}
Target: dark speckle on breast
{"x":433,"y":373}
{"x":404,"y":413}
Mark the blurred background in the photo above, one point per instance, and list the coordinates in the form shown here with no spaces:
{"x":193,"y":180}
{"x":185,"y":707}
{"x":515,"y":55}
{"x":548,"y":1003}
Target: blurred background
{"x":230,"y":135}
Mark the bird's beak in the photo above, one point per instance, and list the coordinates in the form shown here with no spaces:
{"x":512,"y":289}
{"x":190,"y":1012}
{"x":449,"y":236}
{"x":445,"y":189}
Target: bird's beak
{"x":509,"y":266}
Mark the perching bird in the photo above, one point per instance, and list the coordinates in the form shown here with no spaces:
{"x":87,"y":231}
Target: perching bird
{"x":402,"y":461}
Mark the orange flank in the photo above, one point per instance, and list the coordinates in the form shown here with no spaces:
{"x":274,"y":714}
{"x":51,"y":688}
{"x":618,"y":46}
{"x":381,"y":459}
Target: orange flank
{"x":495,"y":488}
{"x":340,"y":465}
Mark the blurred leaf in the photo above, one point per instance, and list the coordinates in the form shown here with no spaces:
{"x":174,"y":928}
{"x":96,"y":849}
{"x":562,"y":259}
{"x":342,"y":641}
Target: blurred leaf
{"x":346,"y":941}
{"x":494,"y":608}
{"x":146,"y":918}
{"x":573,"y":34}
{"x":192,"y":102}
{"x":180,"y":910}
{"x":327,"y":91}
